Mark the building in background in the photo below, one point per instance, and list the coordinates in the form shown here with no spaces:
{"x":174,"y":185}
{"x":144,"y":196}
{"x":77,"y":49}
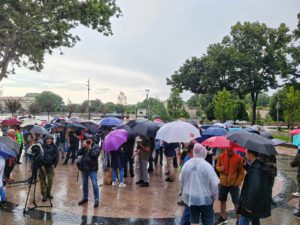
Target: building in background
{"x":26,"y":101}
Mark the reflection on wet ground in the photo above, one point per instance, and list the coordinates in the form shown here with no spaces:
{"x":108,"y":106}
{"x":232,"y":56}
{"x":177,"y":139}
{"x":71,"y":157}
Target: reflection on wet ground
{"x":131,"y":205}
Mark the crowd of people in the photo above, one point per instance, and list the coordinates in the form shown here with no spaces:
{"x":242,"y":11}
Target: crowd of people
{"x":206,"y":174}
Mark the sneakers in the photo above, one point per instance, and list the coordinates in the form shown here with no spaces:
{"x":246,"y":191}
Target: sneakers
{"x":96,"y":204}
{"x":114,"y":183}
{"x":82,"y":201}
{"x":144,"y":184}
{"x":44,"y":199}
{"x":296,"y":194}
{"x":221,"y":221}
{"x":168,"y":179}
{"x":139,"y":182}
{"x":297,"y":215}
{"x":122,"y":185}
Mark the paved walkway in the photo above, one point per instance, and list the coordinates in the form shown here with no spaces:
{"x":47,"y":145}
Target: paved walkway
{"x":156,"y":204}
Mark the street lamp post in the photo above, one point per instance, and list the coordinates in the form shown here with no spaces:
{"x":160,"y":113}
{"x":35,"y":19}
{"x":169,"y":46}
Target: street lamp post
{"x":277,"y":108}
{"x":89,"y":103}
{"x":147,"y":99}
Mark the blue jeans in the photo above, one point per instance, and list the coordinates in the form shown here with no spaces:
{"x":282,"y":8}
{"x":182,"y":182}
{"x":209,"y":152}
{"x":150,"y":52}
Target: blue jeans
{"x":114,"y":175}
{"x":3,"y":194}
{"x":206,"y":212}
{"x":185,"y":219}
{"x":85,"y":184}
{"x":246,"y":220}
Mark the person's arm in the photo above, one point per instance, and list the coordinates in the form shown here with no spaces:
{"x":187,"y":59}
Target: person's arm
{"x":56,"y":156}
{"x":145,"y":148}
{"x":213,"y":183}
{"x":296,"y":161}
{"x":219,"y":167}
{"x":241,"y":173}
{"x":75,"y":135}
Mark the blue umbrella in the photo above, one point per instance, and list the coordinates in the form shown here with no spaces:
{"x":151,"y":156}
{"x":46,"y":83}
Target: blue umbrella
{"x":110,"y":122}
{"x":8,"y":147}
{"x":231,"y":129}
{"x":249,"y":129}
{"x":215,"y":131}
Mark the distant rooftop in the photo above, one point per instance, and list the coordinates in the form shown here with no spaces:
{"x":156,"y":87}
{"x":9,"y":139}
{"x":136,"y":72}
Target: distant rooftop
{"x":31,"y":94}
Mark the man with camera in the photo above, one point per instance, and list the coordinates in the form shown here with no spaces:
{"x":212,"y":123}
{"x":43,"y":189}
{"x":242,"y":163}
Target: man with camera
{"x":88,"y":165}
{"x":48,"y":163}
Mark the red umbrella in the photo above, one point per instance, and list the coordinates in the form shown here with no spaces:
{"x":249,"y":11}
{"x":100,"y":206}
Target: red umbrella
{"x":296,"y":131}
{"x":11,"y":121}
{"x":238,"y":148}
{"x":218,"y":142}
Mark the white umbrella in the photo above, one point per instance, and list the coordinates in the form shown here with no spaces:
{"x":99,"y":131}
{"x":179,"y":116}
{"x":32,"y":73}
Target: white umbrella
{"x":177,"y":131}
{"x":27,"y":122}
{"x":220,"y":125}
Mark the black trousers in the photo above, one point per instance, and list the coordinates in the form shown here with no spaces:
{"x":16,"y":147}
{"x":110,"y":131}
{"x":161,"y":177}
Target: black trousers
{"x":72,"y":152}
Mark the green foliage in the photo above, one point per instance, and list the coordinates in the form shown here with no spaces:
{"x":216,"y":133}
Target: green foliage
{"x":297,"y":31}
{"x":156,"y":108}
{"x":259,"y":119}
{"x":263,"y":100}
{"x":223,"y":105}
{"x":280,"y":97}
{"x":248,"y":61}
{"x":29,"y":29}
{"x":49,"y":102}
{"x":239,"y":111}
{"x":292,"y":106}
{"x":174,"y":104}
{"x":34,"y":108}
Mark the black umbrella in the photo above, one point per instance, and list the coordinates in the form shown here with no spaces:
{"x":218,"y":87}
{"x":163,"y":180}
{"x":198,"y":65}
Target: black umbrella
{"x":253,"y":142}
{"x":38,"y":130}
{"x":266,"y":135}
{"x":131,"y":133}
{"x":278,"y":141}
{"x":92,"y":127}
{"x":77,"y":125}
{"x":146,"y":128}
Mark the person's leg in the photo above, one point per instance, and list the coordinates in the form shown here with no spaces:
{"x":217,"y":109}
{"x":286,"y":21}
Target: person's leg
{"x":150,"y":162}
{"x":156,"y":156}
{"x":185,"y":219}
{"x":68,"y":155}
{"x":195,"y":215}
{"x":114,"y":174}
{"x":126,"y":161}
{"x":43,"y":184}
{"x":50,"y":174}
{"x":170,"y":166}
{"x":131,"y":168}
{"x":74,"y":153}
{"x":93,"y":177}
{"x":121,"y":170}
{"x":85,"y":185}
{"x":3,"y":194}
{"x":255,"y":221}
{"x":161,"y":156}
{"x":145,"y":171}
{"x":175,"y":162}
{"x":244,"y":220}
{"x":235,"y":193}
{"x":207,"y":214}
{"x":141,"y":170}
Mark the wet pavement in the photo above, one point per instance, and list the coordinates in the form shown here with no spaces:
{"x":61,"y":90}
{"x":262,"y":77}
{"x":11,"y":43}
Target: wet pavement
{"x":156,"y":204}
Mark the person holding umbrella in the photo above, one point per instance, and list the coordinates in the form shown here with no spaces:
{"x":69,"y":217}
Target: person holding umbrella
{"x":296,"y":163}
{"x":73,"y":144}
{"x":143,"y":150}
{"x":256,"y":195}
{"x":117,"y":163}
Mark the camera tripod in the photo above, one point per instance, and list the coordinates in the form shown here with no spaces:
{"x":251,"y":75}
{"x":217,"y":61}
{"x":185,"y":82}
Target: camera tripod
{"x":27,"y":209}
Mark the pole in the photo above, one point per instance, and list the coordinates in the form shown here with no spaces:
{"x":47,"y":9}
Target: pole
{"x":89,"y":103}
{"x":277,"y":108}
{"x":147,"y":109}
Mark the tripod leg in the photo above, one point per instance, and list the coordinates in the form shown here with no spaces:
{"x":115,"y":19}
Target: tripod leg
{"x":25,"y":207}
{"x":34,"y":189}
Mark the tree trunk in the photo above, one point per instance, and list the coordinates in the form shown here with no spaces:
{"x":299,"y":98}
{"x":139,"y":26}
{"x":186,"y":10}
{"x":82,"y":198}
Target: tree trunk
{"x":254,"y":96}
{"x":48,"y":116}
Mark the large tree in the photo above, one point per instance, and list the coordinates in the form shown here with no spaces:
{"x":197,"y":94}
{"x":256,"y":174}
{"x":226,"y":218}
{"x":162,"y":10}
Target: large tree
{"x":156,"y":108}
{"x":49,"y":101}
{"x":292,"y":106}
{"x":278,"y":98}
{"x":249,"y":60}
{"x":13,"y":104}
{"x":34,"y":108}
{"x":175,"y":104}
{"x":223,"y":104}
{"x":31,"y":28}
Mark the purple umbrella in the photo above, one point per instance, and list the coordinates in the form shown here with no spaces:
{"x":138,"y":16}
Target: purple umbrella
{"x":114,"y":140}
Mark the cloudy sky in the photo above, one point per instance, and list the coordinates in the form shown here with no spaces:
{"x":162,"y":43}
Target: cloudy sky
{"x":151,"y":40}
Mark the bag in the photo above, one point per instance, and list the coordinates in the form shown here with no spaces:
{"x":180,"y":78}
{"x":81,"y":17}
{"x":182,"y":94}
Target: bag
{"x":108,"y":176}
{"x":84,"y":167}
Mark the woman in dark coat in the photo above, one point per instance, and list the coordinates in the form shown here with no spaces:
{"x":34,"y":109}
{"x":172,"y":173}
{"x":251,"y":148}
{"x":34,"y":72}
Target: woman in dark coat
{"x":118,"y":162}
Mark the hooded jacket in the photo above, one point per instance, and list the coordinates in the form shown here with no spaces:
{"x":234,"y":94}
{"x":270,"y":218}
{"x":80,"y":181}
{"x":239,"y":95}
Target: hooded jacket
{"x":89,"y":159}
{"x":256,"y":194}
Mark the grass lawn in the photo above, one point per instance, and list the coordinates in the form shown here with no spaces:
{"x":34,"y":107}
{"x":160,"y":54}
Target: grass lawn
{"x":285,"y":138}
